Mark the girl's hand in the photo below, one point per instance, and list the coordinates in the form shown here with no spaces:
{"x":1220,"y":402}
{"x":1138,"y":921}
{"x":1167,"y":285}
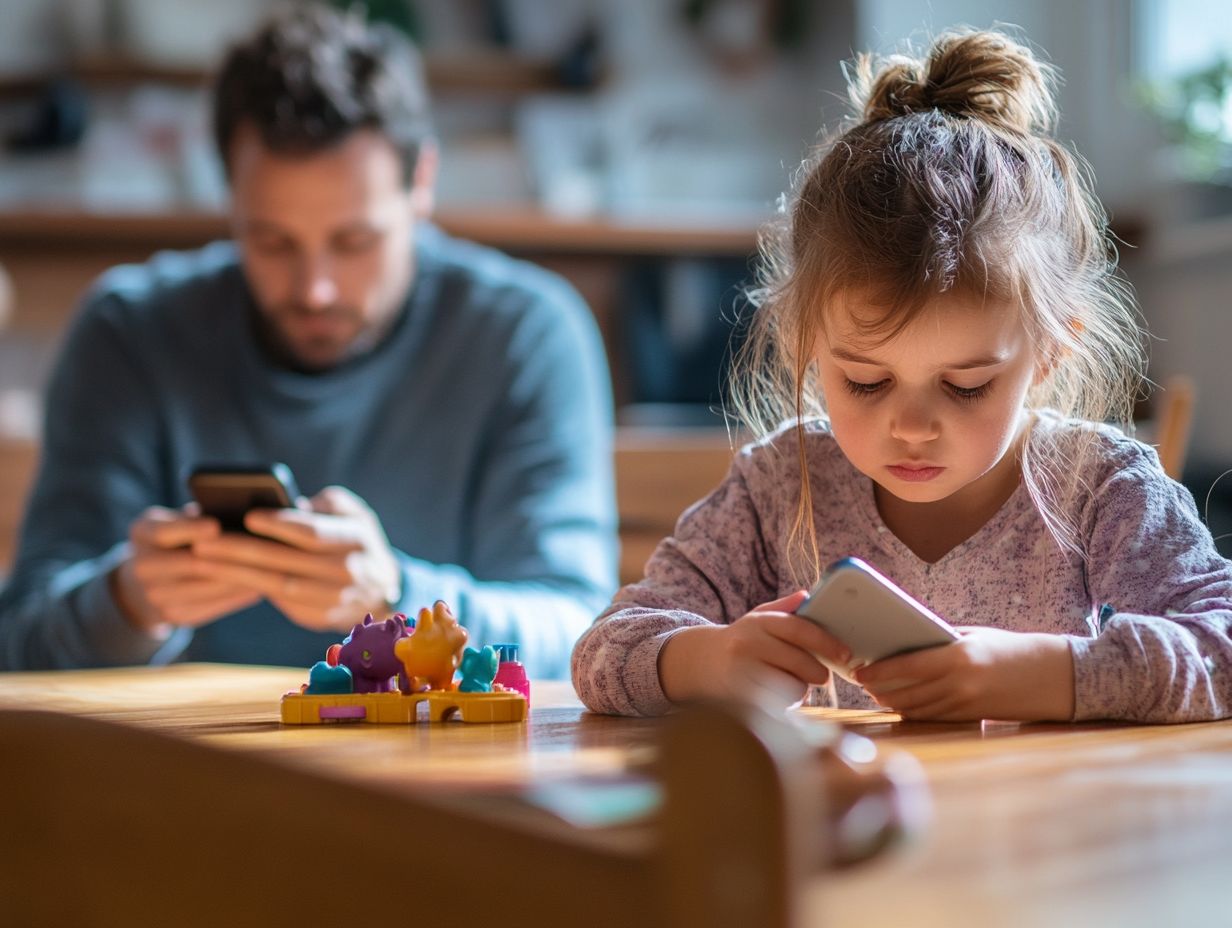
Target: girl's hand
{"x":987,"y":674}
{"x":765,"y":656}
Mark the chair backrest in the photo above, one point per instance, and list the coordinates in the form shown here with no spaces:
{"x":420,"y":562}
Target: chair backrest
{"x":18,"y":462}
{"x":6,"y":298}
{"x":660,"y":472}
{"x":1174,"y":422}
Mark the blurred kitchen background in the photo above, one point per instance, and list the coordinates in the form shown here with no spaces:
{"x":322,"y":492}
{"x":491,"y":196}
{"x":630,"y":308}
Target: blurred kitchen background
{"x":633,"y":145}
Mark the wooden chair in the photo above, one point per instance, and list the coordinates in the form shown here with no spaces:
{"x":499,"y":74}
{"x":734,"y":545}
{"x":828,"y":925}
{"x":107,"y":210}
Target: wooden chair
{"x":6,"y":298}
{"x":660,"y":472}
{"x":18,"y":463}
{"x":1174,"y":422}
{"x":110,"y":825}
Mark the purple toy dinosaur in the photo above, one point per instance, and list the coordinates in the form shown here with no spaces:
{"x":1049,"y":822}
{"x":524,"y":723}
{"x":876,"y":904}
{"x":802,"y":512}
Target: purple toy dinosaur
{"x":368,"y":652}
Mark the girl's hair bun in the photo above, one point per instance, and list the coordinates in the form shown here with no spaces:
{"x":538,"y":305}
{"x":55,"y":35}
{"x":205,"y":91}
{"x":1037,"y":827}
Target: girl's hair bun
{"x":981,"y":75}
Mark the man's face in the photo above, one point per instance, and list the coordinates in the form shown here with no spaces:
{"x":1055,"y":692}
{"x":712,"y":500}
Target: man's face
{"x":325,"y":240}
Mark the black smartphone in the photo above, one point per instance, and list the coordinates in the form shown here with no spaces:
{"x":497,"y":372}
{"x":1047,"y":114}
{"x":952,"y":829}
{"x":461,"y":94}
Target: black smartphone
{"x":228,"y":491}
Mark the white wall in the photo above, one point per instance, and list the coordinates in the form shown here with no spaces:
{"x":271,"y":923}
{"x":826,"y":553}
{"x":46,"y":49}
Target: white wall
{"x":1092,"y":42}
{"x":31,"y":38}
{"x":739,"y":133}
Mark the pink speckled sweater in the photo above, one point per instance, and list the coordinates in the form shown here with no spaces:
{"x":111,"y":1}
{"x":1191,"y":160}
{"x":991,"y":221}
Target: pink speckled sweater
{"x":1164,"y":654}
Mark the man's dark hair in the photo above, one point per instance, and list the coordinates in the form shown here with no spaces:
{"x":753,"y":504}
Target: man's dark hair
{"x":312,"y":75}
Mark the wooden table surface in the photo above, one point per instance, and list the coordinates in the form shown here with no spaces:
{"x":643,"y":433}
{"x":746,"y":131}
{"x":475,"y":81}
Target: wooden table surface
{"x":1031,"y":824}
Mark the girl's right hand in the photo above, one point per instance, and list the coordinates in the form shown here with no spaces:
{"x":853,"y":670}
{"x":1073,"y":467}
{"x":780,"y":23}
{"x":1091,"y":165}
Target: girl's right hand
{"x":767,"y":655}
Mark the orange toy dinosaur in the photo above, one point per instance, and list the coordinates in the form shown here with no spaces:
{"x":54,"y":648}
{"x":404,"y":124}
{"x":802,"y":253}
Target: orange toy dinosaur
{"x":432,"y":652}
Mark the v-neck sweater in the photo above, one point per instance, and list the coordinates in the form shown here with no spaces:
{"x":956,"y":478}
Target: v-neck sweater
{"x":1160,"y":651}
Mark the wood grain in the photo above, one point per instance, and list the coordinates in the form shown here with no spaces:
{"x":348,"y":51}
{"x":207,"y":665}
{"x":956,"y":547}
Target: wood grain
{"x":1038,"y":825}
{"x":1032,"y":825}
{"x":236,"y":707}
{"x":126,"y":791}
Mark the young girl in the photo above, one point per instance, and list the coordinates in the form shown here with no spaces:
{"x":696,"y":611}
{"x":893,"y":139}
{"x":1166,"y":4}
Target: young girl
{"x":942,"y":328}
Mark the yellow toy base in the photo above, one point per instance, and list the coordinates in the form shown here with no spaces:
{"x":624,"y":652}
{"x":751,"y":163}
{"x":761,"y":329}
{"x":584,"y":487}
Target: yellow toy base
{"x":402,"y":708}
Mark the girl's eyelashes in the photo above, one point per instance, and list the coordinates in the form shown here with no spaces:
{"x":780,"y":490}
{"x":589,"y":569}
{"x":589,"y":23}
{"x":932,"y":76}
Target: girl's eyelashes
{"x":856,"y":388}
{"x":970,"y":394}
{"x":964,"y":394}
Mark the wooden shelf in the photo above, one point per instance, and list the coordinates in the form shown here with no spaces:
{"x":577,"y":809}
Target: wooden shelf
{"x":121,"y":69}
{"x":493,"y":73}
{"x":37,"y":228}
{"x":519,"y":230}
{"x":529,"y":229}
{"x":482,"y":72}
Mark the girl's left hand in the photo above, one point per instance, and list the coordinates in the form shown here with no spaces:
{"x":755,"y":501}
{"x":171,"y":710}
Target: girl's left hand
{"x":986,"y":674}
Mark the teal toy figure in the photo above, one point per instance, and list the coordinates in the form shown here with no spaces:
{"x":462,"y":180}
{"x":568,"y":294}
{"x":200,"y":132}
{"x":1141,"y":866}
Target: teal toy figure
{"x":477,"y":669}
{"x":325,"y":679}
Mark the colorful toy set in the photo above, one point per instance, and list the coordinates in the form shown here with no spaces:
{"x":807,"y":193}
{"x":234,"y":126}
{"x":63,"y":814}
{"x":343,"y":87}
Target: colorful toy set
{"x":382,"y":671}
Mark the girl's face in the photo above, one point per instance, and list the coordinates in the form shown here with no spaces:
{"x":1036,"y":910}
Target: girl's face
{"x":936,"y":408}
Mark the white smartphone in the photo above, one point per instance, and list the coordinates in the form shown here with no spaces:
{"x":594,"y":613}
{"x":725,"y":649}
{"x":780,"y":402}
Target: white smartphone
{"x":872,"y":616}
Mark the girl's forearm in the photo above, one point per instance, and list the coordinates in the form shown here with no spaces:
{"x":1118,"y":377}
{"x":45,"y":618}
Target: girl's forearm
{"x":1053,"y":699}
{"x":685,"y":666}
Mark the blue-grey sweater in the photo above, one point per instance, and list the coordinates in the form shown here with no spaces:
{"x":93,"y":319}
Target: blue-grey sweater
{"x":479,"y":431}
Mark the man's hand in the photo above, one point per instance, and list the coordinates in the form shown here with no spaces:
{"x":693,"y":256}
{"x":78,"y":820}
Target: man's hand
{"x":986,"y":674}
{"x":164,"y":584}
{"x":767,"y":656}
{"x":321,"y":566}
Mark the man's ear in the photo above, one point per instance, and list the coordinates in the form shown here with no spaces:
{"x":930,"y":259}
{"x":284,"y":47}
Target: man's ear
{"x":423,"y":181}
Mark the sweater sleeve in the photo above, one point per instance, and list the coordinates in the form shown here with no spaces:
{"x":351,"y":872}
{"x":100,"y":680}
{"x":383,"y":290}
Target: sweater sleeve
{"x":714,"y":568}
{"x":542,"y":524}
{"x":97,"y":472}
{"x":1164,"y":653}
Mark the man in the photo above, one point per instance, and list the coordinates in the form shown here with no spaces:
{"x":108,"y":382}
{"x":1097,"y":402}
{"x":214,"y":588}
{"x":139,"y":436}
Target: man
{"x":448,"y":408}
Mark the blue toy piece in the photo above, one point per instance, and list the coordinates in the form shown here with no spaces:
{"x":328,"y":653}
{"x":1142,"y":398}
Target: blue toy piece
{"x":324,"y":680}
{"x":478,"y":668}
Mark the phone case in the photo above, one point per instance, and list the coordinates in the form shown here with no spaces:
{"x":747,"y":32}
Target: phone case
{"x":872,"y":616}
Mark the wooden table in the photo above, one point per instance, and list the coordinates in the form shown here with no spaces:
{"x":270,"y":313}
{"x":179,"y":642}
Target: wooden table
{"x":236,"y":707}
{"x":1031,"y":825}
{"x":1057,"y":825}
